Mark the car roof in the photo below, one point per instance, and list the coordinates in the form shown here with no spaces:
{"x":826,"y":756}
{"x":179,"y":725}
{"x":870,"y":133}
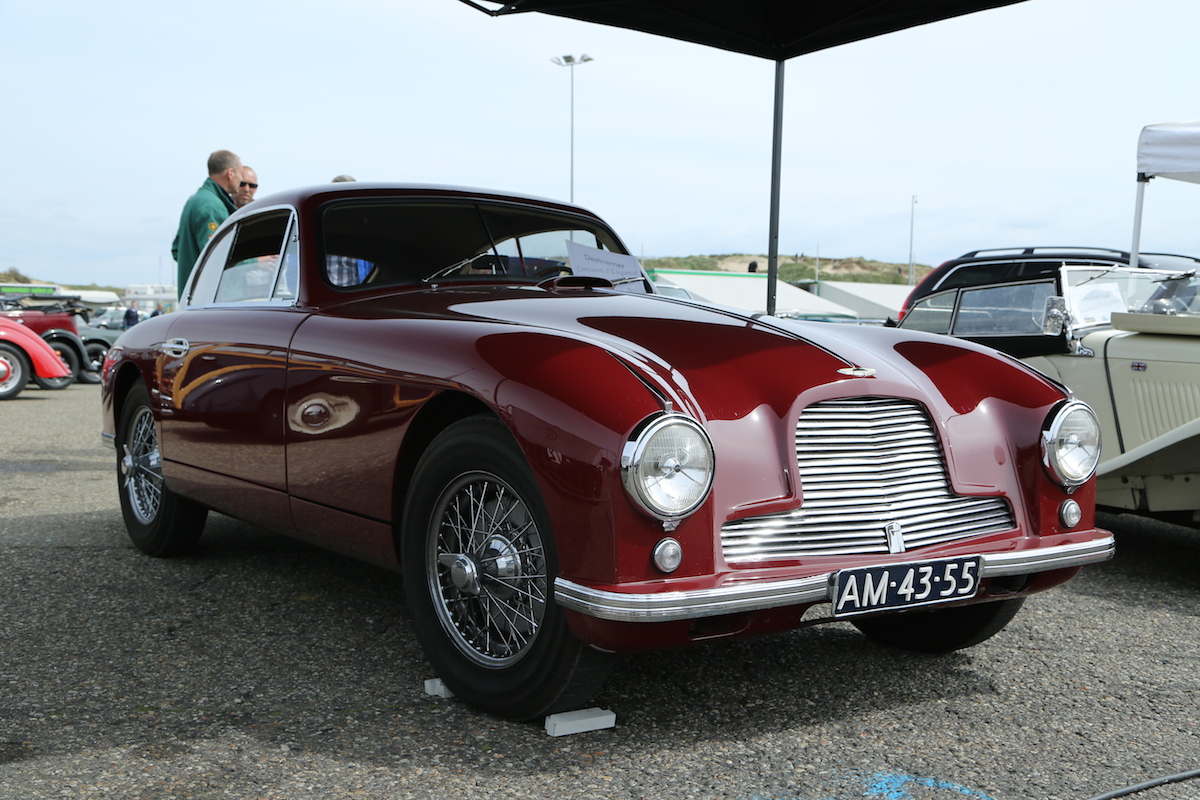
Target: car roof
{"x":319,"y":193}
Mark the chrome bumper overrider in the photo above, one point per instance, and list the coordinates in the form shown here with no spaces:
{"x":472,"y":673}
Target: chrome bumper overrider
{"x":757,"y":595}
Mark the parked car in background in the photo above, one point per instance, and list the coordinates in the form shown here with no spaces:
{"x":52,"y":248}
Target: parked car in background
{"x":54,"y":318}
{"x":566,"y":466}
{"x":1126,"y":341}
{"x":109,"y":318}
{"x":1012,"y":264}
{"x":24,"y":356}
{"x":113,"y":318}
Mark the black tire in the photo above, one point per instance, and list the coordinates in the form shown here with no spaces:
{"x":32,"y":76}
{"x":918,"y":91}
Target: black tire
{"x":14,"y":371}
{"x":95,"y":353}
{"x":69,"y":357}
{"x":480,"y":585}
{"x":943,"y":630}
{"x":159,"y":522}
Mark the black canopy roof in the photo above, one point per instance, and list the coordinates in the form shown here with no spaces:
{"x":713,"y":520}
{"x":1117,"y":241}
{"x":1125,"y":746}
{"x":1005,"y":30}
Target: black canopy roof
{"x":774,"y":29}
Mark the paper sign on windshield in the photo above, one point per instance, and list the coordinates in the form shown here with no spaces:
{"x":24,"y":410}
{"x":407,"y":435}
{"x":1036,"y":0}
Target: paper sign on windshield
{"x":1095,"y":302}
{"x":624,"y":272}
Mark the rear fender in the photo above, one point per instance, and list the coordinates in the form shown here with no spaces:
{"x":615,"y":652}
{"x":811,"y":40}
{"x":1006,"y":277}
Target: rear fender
{"x":45,"y":362}
{"x":64,"y":336}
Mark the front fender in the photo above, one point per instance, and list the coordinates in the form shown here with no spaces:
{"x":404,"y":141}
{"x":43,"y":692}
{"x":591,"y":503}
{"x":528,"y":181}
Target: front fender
{"x":572,"y":405}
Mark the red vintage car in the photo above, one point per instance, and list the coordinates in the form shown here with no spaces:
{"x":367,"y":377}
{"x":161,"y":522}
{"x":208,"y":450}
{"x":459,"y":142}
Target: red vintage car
{"x":53,"y":317}
{"x":24,"y":356}
{"x":565,"y":465}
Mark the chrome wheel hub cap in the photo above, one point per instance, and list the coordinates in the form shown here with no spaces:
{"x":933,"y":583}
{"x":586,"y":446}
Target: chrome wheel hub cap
{"x":487,"y":570}
{"x":141,"y":467}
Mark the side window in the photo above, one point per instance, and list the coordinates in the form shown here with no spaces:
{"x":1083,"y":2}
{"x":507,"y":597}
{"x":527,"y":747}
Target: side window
{"x":206,"y":276}
{"x":1010,"y":310}
{"x":932,"y":315}
{"x":253,"y":262}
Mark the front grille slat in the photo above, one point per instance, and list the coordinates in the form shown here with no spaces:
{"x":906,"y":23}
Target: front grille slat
{"x":865,"y":463}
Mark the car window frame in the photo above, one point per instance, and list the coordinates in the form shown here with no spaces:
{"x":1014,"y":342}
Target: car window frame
{"x":204,"y":283}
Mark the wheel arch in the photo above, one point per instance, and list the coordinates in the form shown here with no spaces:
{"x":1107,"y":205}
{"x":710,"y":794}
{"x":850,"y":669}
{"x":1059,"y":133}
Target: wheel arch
{"x":434,"y":417}
{"x":65,"y":336}
{"x":127,"y":376}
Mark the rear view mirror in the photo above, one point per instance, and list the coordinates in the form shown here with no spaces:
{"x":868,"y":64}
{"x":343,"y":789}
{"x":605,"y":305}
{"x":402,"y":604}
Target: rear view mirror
{"x":1054,"y":318}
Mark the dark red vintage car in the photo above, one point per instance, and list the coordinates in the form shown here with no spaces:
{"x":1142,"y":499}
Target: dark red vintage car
{"x":566,"y":466}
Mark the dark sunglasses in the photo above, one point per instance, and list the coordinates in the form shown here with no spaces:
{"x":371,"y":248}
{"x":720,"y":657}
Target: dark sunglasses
{"x":248,"y":183}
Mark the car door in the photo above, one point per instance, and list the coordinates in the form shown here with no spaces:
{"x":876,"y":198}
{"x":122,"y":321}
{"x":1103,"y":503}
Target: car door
{"x":223,"y":369}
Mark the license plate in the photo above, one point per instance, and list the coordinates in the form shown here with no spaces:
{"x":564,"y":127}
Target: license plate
{"x":866,"y":589}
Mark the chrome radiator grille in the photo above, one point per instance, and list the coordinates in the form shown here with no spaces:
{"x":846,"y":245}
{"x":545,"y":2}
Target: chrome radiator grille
{"x":868,"y":465}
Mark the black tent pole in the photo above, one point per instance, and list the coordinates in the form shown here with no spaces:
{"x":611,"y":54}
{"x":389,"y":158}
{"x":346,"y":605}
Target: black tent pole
{"x":776,"y":168}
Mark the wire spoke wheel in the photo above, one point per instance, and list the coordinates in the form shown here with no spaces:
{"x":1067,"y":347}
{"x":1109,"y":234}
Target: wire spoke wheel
{"x":159,"y":522}
{"x":141,"y":466}
{"x":487,"y":570}
{"x":479,"y":562}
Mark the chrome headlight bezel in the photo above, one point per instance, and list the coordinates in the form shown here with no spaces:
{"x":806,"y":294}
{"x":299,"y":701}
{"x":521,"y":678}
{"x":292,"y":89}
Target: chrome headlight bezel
{"x":1071,"y":444}
{"x":642,"y":470}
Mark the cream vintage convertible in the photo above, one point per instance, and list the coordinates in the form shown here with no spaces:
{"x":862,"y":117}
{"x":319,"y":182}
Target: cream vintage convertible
{"x":1127,"y":342}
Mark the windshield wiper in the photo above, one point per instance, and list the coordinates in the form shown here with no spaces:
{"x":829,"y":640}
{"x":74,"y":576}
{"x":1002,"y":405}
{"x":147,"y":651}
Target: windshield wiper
{"x":1180,"y":276}
{"x":458,"y":266}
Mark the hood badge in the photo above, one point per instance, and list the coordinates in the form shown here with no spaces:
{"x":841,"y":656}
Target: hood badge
{"x":858,"y":372}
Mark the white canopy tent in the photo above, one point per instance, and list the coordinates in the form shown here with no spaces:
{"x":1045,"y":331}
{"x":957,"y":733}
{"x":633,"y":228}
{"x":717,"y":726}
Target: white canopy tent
{"x":1169,"y":150}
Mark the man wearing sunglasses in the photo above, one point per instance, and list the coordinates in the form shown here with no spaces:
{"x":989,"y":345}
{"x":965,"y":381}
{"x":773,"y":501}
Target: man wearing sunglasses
{"x":205,"y":211}
{"x":247,"y":186}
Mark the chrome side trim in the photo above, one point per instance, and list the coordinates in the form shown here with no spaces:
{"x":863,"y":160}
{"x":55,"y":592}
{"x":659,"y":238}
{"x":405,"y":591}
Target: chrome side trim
{"x":108,"y":439}
{"x":759,"y":595}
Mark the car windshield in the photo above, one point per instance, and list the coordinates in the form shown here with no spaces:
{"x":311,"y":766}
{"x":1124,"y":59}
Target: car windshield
{"x":1092,"y":295}
{"x":390,"y":242}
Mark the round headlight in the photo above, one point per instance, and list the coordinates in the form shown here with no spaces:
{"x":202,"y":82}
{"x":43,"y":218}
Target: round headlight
{"x":667,"y":466}
{"x":1071,"y":444}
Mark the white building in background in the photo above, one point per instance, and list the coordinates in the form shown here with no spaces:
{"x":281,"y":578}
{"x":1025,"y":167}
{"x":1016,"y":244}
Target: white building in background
{"x":147,"y":296}
{"x":869,"y":300}
{"x":748,"y":291}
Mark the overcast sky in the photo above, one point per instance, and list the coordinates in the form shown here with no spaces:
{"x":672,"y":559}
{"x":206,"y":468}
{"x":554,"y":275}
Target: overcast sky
{"x":1016,"y":126}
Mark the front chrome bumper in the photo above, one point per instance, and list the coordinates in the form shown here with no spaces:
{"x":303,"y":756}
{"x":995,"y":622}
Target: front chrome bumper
{"x":758,"y":595}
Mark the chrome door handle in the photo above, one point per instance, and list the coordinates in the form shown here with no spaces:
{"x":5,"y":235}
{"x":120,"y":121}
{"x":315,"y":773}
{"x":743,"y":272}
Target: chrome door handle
{"x":178,"y":348}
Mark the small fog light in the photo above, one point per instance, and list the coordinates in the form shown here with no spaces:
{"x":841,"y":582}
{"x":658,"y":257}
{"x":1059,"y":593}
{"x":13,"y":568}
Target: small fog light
{"x":668,"y":555}
{"x":1069,"y":514}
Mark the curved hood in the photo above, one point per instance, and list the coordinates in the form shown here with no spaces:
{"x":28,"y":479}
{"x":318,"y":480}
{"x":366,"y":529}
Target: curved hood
{"x":717,"y":363}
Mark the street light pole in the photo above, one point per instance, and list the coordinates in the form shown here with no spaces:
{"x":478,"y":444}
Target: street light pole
{"x":572,"y":62}
{"x":912,"y":223}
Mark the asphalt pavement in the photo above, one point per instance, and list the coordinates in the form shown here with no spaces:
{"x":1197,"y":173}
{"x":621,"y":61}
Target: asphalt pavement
{"x":262,"y":667}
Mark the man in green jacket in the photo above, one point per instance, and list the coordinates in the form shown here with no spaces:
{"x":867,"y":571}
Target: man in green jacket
{"x":205,"y":211}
